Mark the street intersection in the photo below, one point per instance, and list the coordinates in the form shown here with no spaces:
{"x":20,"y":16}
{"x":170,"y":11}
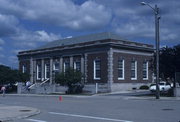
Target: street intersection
{"x":104,"y":108}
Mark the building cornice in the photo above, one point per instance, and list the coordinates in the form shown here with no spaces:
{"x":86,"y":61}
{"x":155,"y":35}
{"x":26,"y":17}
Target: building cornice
{"x":110,"y":42}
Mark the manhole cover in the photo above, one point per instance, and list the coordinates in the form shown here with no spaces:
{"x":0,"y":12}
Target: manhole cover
{"x":167,"y":109}
{"x":24,"y":110}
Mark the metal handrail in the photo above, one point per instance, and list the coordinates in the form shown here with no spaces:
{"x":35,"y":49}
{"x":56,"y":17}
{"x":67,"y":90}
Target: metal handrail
{"x":44,"y":81}
{"x":32,"y":86}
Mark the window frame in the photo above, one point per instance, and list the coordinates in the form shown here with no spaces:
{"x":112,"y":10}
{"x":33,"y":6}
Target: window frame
{"x":134,"y":69}
{"x":38,"y":72}
{"x":95,"y":69}
{"x":75,"y":65}
{"x":54,"y":66}
{"x":45,"y":71}
{"x":121,"y":68}
{"x":64,"y":66}
{"x":146,"y":69}
{"x":24,"y":69}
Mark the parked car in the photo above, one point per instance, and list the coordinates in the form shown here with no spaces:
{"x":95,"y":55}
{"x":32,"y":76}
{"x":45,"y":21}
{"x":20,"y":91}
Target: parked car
{"x":164,"y":87}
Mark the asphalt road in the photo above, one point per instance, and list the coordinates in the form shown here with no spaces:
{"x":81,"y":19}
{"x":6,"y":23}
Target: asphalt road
{"x":97,"y":109}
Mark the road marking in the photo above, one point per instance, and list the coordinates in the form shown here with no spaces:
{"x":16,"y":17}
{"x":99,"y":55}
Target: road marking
{"x":90,"y":117}
{"x":35,"y":120}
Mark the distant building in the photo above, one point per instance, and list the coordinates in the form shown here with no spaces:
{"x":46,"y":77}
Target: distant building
{"x":103,"y":58}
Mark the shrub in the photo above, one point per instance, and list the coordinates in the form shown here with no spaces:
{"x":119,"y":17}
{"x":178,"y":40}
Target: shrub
{"x":72,"y":79}
{"x":134,"y":88}
{"x":144,"y":87}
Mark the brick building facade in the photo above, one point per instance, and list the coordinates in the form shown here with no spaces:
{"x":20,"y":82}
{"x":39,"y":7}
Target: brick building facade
{"x":102,"y":58}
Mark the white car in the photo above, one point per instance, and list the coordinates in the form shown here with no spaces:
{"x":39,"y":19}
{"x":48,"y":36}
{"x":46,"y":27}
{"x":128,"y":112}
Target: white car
{"x":163,"y":87}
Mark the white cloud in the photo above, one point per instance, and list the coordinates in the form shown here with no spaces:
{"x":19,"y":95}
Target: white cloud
{"x":13,"y":61}
{"x":134,"y":28}
{"x":1,"y":42}
{"x":60,"y":12}
{"x":44,"y":36}
{"x":2,"y":56}
{"x":8,"y":25}
{"x":16,"y":51}
{"x":135,"y":21}
{"x":90,"y":15}
{"x":1,"y":48}
{"x":36,"y":36}
{"x":28,"y":39}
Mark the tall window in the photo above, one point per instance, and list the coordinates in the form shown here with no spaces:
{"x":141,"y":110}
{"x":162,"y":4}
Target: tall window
{"x":66,"y":66}
{"x":24,"y":69}
{"x":56,"y":66}
{"x":97,"y":69}
{"x":133,"y":70}
{"x":38,"y":67}
{"x":121,"y":69}
{"x":145,"y":70}
{"x":47,"y":71}
{"x":77,"y":66}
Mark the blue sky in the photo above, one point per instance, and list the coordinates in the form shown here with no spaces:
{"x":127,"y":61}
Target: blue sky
{"x":27,"y":24}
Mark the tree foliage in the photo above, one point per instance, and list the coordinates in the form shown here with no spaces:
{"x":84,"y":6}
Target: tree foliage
{"x":8,"y":75}
{"x":169,"y":61}
{"x":72,"y":79}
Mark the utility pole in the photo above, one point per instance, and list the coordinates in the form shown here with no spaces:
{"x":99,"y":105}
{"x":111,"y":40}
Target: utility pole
{"x":157,"y":18}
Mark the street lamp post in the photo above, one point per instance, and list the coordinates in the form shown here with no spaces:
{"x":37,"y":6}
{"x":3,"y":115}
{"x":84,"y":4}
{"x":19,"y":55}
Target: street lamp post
{"x":157,"y":18}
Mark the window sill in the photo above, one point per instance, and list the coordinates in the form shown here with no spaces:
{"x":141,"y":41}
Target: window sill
{"x":97,"y":78}
{"x":120,"y":78}
{"x":133,"y":78}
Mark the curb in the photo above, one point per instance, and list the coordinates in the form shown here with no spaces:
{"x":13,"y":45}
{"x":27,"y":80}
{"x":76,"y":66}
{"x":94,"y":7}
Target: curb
{"x":22,"y":115}
{"x":154,"y":99}
{"x":47,"y":95}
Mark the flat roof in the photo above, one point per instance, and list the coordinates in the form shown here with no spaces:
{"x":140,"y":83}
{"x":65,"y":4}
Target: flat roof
{"x":81,"y":39}
{"x":86,"y":39}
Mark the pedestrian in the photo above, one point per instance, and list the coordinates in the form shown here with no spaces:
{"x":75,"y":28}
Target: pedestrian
{"x":28,"y":84}
{"x":3,"y":89}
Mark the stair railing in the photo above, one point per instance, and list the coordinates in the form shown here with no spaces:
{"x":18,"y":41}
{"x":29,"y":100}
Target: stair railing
{"x":46,"y":80}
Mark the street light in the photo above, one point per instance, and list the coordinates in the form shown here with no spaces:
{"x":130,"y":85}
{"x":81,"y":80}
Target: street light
{"x":157,"y":18}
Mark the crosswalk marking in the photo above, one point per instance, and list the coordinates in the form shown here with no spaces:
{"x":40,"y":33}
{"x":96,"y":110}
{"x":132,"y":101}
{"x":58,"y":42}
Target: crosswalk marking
{"x":89,"y":117}
{"x":35,"y":120}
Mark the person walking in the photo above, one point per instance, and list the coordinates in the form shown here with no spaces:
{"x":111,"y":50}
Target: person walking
{"x":3,"y":89}
{"x":28,"y":84}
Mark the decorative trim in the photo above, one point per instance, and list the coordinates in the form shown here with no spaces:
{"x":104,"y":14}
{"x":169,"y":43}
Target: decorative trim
{"x":133,"y":52}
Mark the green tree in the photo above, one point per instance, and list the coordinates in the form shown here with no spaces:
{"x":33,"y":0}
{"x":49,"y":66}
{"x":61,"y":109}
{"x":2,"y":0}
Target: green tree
{"x":8,"y":75}
{"x":23,"y":77}
{"x":169,"y":61}
{"x":4,"y":74}
{"x":72,"y":79}
{"x":177,"y":58}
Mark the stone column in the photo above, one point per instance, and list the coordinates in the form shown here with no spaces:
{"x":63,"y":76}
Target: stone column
{"x":85,"y":68}
{"x":110,"y":69}
{"x":34,"y":71}
{"x":60,"y":64}
{"x":51,"y":70}
{"x":31,"y":70}
{"x":42,"y":70}
{"x":82,"y":67}
{"x":71,"y":62}
{"x":82,"y":64}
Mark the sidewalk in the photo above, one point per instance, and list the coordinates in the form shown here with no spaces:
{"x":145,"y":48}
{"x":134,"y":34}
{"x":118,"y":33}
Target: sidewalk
{"x":137,"y":94}
{"x":129,"y":93}
{"x":8,"y":113}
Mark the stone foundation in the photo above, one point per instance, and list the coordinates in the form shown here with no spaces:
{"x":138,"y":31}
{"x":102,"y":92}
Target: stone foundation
{"x":126,"y":86}
{"x":89,"y":88}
